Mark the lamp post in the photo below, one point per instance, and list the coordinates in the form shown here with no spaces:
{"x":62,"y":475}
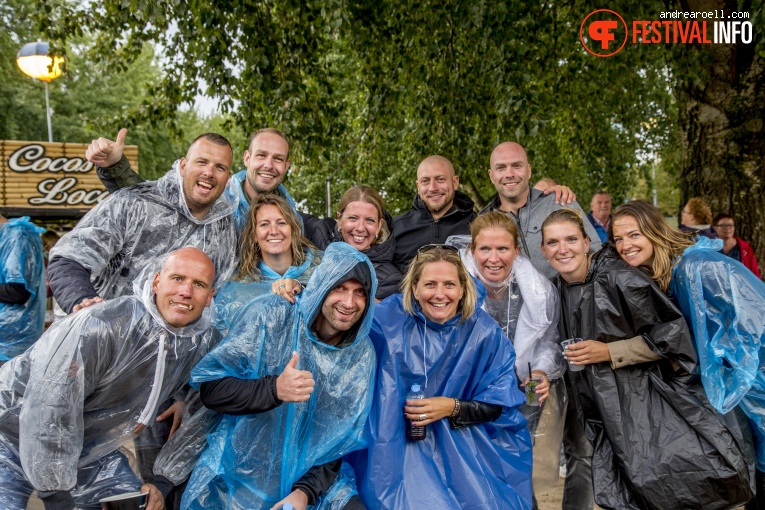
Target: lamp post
{"x":33,"y":60}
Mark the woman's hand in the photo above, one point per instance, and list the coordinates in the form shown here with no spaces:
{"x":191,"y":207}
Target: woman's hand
{"x":298,"y":498}
{"x":543,"y":388}
{"x":155,"y":501}
{"x":587,"y":352}
{"x":286,"y":288}
{"x":433,"y":409}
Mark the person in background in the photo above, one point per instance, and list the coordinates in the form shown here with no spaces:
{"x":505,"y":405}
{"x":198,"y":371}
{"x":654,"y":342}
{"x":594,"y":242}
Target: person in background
{"x":362,"y":222}
{"x":272,"y":246}
{"x":645,"y":413}
{"x":544,"y":183}
{"x":733,"y":246}
{"x":721,"y":300}
{"x":697,"y":217}
{"x":22,"y":286}
{"x":94,"y":380}
{"x":476,"y":452}
{"x":600,"y":214}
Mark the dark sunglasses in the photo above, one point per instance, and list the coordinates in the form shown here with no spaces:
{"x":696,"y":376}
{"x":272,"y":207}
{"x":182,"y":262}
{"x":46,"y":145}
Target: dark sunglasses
{"x":429,"y":247}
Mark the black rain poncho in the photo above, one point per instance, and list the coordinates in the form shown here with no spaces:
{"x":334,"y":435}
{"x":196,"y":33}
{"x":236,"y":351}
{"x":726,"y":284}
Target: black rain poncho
{"x":126,"y":232}
{"x":79,"y":392}
{"x":657,"y":442}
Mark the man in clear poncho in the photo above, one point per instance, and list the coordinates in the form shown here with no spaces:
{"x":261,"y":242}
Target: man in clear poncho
{"x":274,"y":444}
{"x":22,"y":286}
{"x":94,"y":381}
{"x":116,"y":240}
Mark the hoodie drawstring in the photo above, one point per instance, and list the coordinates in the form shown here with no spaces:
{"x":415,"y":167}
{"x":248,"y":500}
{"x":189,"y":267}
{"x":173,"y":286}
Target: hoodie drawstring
{"x":159,"y":374}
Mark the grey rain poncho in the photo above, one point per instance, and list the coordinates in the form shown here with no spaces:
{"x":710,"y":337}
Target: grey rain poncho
{"x":78,"y":393}
{"x":126,"y":232}
{"x":528,"y":313}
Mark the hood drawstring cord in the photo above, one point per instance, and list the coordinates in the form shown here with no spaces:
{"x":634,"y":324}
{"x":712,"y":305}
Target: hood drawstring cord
{"x":159,"y":374}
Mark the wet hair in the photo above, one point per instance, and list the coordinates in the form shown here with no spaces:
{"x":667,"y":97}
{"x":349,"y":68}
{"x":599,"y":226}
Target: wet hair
{"x":370,"y":196}
{"x":564,"y":215}
{"x":493,"y":219}
{"x":469,"y":297}
{"x":270,"y":131}
{"x":722,"y":216}
{"x":248,"y":244}
{"x":668,"y":243}
{"x":214,"y":138}
{"x":700,"y":211}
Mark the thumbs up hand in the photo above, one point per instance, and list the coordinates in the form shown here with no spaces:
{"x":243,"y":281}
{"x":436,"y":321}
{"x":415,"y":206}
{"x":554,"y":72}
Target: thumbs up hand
{"x":106,"y":153}
{"x":294,"y":385}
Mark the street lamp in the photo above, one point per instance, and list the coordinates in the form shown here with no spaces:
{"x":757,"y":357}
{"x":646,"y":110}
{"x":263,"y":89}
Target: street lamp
{"x":33,"y":60}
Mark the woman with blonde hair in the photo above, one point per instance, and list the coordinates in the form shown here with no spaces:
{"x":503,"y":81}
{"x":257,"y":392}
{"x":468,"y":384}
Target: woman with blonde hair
{"x":362,"y":222}
{"x":632,"y":358}
{"x":435,"y":337}
{"x":272,"y":246}
{"x":721,"y":300}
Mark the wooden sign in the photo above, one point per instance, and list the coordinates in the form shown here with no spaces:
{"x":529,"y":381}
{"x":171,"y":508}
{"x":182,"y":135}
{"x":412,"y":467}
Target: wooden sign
{"x":50,"y":176}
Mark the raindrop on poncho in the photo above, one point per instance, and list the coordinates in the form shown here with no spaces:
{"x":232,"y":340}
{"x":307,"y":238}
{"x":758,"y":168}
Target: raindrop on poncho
{"x":724,"y":303}
{"x":79,"y":392}
{"x":21,"y":261}
{"x":251,"y":461}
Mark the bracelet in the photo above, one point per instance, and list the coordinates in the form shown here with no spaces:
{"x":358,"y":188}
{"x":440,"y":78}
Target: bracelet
{"x":456,"y":411}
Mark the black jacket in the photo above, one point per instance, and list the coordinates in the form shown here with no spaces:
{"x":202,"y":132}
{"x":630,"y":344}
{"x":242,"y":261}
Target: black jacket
{"x":322,"y":232}
{"x":416,"y":227}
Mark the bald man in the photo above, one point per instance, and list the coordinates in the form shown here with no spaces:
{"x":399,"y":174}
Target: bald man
{"x":94,"y":380}
{"x":510,"y":173}
{"x":439,"y":210}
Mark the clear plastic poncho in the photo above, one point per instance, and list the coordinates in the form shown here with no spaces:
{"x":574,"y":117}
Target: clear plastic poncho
{"x":251,"y":461}
{"x":237,"y":196}
{"x":487,"y":465}
{"x":723,"y":303}
{"x":134,"y":226}
{"x":81,"y":390}
{"x":21,"y":261}
{"x":236,"y":294}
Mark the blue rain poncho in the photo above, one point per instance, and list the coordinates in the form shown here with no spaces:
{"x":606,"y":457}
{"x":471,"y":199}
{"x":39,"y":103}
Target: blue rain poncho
{"x":21,"y":261}
{"x":724,"y":302}
{"x":236,"y":294}
{"x":79,"y":392}
{"x":236,"y":194}
{"x":477,"y":467}
{"x":251,"y":461}
{"x":126,"y":232}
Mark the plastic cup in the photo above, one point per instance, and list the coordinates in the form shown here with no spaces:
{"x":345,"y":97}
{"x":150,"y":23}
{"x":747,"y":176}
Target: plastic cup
{"x":128,"y":501}
{"x":531,"y":392}
{"x":564,"y":344}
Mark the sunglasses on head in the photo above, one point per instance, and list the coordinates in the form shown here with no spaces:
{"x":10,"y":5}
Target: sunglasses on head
{"x":429,"y":247}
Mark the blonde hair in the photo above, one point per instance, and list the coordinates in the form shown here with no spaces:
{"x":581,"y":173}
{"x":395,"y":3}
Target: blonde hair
{"x":565,"y":215}
{"x":668,"y":243}
{"x":370,"y":196}
{"x":700,"y":211}
{"x":437,"y":254}
{"x":248,"y":244}
{"x":493,"y":219}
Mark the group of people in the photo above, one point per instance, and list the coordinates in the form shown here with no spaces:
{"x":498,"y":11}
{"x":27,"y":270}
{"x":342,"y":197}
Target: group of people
{"x":258,"y":356}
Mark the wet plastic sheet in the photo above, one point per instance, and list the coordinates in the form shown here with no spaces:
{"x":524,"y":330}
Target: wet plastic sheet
{"x":133,"y":227}
{"x":235,"y":294}
{"x":480,"y":466}
{"x":252,"y":461}
{"x":724,"y":303}
{"x":21,"y":261}
{"x":546,"y":428}
{"x":658,"y":444}
{"x":79,"y":392}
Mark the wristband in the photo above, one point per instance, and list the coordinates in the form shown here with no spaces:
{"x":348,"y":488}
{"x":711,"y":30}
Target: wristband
{"x":456,"y":411}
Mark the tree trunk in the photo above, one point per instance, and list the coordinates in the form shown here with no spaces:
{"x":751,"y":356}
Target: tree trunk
{"x":722,"y":125}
